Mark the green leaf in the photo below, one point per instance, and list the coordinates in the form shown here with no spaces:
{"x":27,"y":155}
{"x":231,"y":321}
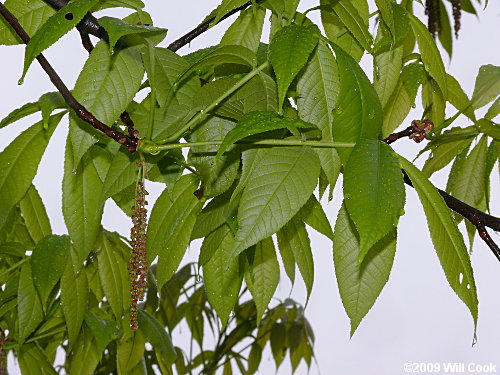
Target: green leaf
{"x":434,"y":101}
{"x":130,"y":350}
{"x":353,"y":21}
{"x":113,"y":275}
{"x":447,"y":240}
{"x":276,"y":190}
{"x":263,"y":275}
{"x":222,"y":278}
{"x":294,"y":237}
{"x":443,"y":154}
{"x":170,"y":226}
{"x":313,"y":215}
{"x":286,"y":256}
{"x":256,"y":123}
{"x":51,"y":253}
{"x":132,"y":4}
{"x":430,"y":54}
{"x":19,"y":163}
{"x":33,"y":360}
{"x":491,"y":159}
{"x":29,"y":307}
{"x":257,"y":94}
{"x":336,"y":31}
{"x":13,"y":249}
{"x":54,"y":28}
{"x":469,"y":182}
{"x":493,"y":111}
{"x":213,"y":215}
{"x":289,"y":50}
{"x":397,"y":109}
{"x":85,"y":356}
{"x":254,"y":359}
{"x":278,"y":342}
{"x":118,"y":28}
{"x":374,"y":192}
{"x":225,"y":7}
{"x":387,"y":73}
{"x":168,"y":67}
{"x":458,"y":98}
{"x":215,"y":177}
{"x":81,"y":204}
{"x":282,"y":8}
{"x":360,"y":284}
{"x":48,"y":103}
{"x":445,"y":34}
{"x":487,"y":87}
{"x":30,"y":14}
{"x":74,"y":295}
{"x":106,"y":85}
{"x":34,"y":215}
{"x":317,"y":87}
{"x":246,"y":30}
{"x":104,"y":330}
{"x":20,"y":113}
{"x":155,"y":334}
{"x":394,"y":16}
{"x":238,"y":55}
{"x":121,"y":173}
{"x":358,"y":113}
{"x":489,"y":128}
{"x":413,"y":75}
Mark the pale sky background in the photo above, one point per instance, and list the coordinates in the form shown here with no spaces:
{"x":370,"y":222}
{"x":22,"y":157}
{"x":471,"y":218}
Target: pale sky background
{"x":417,"y":318}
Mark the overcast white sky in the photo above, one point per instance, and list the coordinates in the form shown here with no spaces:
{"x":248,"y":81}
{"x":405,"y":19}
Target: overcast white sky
{"x":417,"y":318}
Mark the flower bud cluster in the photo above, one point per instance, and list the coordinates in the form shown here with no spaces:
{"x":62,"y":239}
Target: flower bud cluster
{"x":138,"y":264}
{"x":433,"y":17}
{"x":457,"y":14}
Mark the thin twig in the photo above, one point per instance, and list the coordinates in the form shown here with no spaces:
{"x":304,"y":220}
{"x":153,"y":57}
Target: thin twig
{"x":202,"y":27}
{"x":483,"y":233}
{"x":86,"y":42}
{"x":79,"y":109}
{"x":479,"y":219}
{"x":88,"y":24}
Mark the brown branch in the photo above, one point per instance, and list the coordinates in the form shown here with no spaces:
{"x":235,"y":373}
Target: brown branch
{"x":483,"y":233}
{"x":91,"y":26}
{"x":86,"y":42}
{"x":87,"y":25}
{"x":202,"y":27}
{"x":417,"y":131}
{"x":79,"y":109}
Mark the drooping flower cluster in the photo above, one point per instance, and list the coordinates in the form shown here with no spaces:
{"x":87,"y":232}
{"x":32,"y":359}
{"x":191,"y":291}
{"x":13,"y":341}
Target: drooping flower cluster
{"x":138,"y":264}
{"x":457,"y":14}
{"x":432,"y":11}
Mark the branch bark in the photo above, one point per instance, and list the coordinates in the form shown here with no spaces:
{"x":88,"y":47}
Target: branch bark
{"x":79,"y":109}
{"x":478,"y":218}
{"x":91,"y":26}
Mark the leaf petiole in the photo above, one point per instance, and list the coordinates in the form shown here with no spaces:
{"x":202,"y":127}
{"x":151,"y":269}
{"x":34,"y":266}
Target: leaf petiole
{"x":151,"y":148}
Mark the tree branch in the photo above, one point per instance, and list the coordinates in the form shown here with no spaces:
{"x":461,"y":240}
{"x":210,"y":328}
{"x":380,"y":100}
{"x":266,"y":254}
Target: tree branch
{"x":87,"y":25}
{"x":417,"y":131}
{"x":90,"y":25}
{"x":79,"y":109}
{"x":202,"y":27}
